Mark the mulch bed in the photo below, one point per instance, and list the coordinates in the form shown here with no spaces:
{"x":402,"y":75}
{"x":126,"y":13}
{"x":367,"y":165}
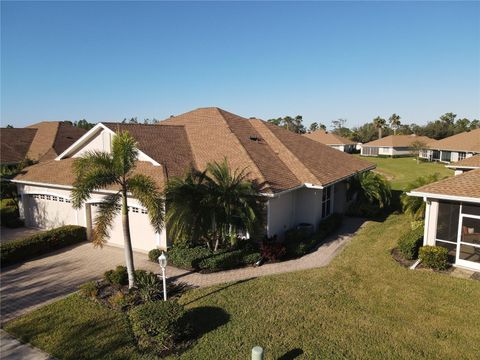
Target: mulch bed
{"x":398,"y":257}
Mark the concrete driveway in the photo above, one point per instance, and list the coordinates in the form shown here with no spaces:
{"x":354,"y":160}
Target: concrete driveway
{"x":40,"y":281}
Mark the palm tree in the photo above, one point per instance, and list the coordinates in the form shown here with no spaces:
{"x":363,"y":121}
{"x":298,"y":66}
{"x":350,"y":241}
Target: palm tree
{"x":213,"y":205}
{"x":100,"y":170}
{"x":394,"y":121}
{"x":413,"y":205}
{"x":379,"y":123}
{"x":371,"y":187}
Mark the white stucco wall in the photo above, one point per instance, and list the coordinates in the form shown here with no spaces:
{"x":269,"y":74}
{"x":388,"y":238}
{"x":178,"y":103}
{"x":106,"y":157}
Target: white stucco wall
{"x":57,"y":214}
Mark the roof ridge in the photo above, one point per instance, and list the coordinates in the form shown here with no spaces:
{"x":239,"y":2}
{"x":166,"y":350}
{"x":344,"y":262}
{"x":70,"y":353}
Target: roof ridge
{"x":281,"y":150}
{"x":221,"y":111}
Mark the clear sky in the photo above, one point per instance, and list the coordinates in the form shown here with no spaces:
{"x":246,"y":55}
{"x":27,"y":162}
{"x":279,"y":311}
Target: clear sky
{"x":355,"y":60}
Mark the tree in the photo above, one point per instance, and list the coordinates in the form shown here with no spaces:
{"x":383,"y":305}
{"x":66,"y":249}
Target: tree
{"x":9,"y":126}
{"x":379,"y":124}
{"x":313,"y":127}
{"x":372,"y":188}
{"x":394,"y":121}
{"x":84,"y":124}
{"x":413,"y":205}
{"x":448,"y":118}
{"x":294,"y":124}
{"x":100,"y":170}
{"x":339,"y":123}
{"x":416,"y":147}
{"x":213,"y":205}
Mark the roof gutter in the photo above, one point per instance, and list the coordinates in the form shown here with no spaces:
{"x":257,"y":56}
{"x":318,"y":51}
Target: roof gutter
{"x":57,"y":186}
{"x":426,"y":195}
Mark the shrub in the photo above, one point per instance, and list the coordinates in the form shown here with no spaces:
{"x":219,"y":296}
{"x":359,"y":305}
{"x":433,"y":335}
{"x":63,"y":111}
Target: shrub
{"x":117,"y":277}
{"x":272,"y":251}
{"x":89,"y":289}
{"x":434,"y":257}
{"x":121,"y":301}
{"x":41,"y":243}
{"x":410,"y":242}
{"x":188,"y":258}
{"x":9,"y":217}
{"x":154,"y":254}
{"x":149,"y":286}
{"x":157,"y":325}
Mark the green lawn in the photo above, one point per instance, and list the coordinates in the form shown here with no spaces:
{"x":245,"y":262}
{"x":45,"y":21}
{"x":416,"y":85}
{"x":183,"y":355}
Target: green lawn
{"x":363,"y":305}
{"x":401,"y":171}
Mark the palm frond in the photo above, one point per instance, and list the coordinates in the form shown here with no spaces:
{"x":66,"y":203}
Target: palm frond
{"x":124,"y":152}
{"x":145,"y":190}
{"x":107,"y":210}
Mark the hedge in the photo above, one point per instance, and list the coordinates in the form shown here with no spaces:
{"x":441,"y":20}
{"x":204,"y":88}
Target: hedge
{"x":199,"y":258}
{"x":299,"y":243}
{"x":9,"y":217}
{"x":434,"y":257}
{"x":158,"y":325}
{"x":410,"y":242}
{"x":24,"y":249}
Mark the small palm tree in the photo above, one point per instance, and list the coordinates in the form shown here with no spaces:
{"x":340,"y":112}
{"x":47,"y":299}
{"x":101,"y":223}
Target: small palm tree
{"x":213,"y":205}
{"x":394,"y":121}
{"x":371,"y":187}
{"x":100,"y":170}
{"x":413,"y":205}
{"x":379,"y":124}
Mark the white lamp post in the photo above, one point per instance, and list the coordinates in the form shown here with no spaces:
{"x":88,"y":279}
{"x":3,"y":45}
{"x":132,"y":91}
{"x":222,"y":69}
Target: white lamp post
{"x":162,"y":260}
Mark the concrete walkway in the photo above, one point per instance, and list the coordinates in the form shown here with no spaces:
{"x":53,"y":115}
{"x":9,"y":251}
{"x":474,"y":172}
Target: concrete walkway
{"x":35,"y":283}
{"x":12,"y":349}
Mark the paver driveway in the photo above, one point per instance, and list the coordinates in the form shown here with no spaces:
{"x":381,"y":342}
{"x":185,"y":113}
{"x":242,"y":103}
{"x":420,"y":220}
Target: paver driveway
{"x":37,"y":282}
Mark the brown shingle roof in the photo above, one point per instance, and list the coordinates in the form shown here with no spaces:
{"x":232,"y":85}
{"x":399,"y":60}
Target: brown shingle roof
{"x":60,"y":172}
{"x":464,"y":185}
{"x":471,"y":162}
{"x":400,"y":141}
{"x":267,"y":151}
{"x":168,"y":145}
{"x":328,"y":138}
{"x":14,"y":144}
{"x":466,"y":141}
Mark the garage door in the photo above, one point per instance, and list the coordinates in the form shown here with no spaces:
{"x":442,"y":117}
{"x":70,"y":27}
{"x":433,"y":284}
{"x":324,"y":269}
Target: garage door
{"x":143,"y":236}
{"x":48,"y":211}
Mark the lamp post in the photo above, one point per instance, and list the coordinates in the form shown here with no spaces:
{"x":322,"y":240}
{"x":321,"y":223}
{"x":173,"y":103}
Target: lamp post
{"x":162,"y":260}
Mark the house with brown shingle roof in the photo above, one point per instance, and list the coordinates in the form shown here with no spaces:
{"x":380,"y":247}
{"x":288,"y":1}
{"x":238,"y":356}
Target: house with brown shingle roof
{"x":304,"y":180}
{"x":333,"y":140}
{"x":467,"y":164}
{"x":454,"y":148}
{"x":393,"y":145}
{"x":38,"y":142}
{"x":452,"y":217}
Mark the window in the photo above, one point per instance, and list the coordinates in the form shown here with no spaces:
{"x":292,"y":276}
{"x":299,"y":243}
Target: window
{"x":462,"y":155}
{"x":144,"y":211}
{"x":326,"y":201}
{"x":446,"y":156}
{"x":447,"y":222}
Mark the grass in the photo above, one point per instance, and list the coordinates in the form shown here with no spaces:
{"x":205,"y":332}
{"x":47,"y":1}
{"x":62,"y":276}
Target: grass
{"x":363,"y":305}
{"x":401,"y":171}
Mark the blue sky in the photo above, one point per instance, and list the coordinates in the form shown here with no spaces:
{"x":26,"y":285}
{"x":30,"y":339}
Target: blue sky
{"x":353,"y":60}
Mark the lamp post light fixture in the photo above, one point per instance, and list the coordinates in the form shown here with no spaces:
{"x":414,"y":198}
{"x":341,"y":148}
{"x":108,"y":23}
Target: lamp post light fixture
{"x":162,"y":260}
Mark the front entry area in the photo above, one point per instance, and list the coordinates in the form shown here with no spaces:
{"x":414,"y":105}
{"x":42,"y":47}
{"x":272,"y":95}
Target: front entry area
{"x":458,"y":230}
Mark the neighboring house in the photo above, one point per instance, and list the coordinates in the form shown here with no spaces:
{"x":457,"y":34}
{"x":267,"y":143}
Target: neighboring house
{"x":454,"y":148}
{"x":305,"y":181}
{"x":467,"y":164}
{"x":452,"y":217}
{"x":38,"y":142}
{"x":393,"y":145}
{"x":333,"y":140}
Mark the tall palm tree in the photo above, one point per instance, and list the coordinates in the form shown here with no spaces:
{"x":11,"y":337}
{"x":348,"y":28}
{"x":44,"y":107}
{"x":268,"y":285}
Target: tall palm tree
{"x":379,"y":124}
{"x":213,"y":205}
{"x":101,"y":170}
{"x":394,"y":121}
{"x":413,"y":205}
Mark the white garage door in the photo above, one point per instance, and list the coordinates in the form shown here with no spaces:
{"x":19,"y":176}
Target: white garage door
{"x":48,"y":211}
{"x":143,"y":236}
